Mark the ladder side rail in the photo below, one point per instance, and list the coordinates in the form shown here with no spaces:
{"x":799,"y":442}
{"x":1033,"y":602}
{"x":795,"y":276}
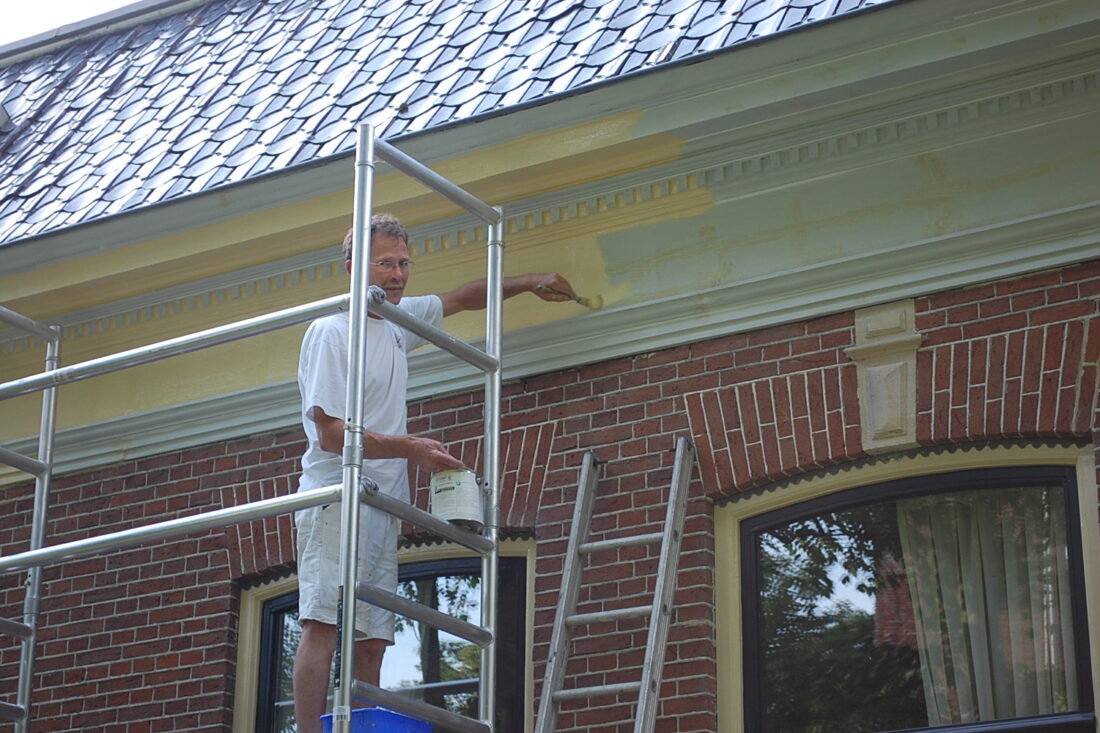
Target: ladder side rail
{"x":26,"y":325}
{"x":47,"y":429}
{"x":354,"y":416}
{"x":26,"y":464}
{"x":554,"y":672}
{"x":490,"y":565}
{"x":667,"y":568}
{"x":170,"y":528}
{"x":173,"y":347}
{"x":414,"y":168}
{"x":425,"y":520}
{"x":443,"y":719}
{"x":470,"y":354}
{"x":425,"y":614}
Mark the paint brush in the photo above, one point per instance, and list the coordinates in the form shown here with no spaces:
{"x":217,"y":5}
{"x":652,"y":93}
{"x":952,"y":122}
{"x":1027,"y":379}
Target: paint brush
{"x":591,"y":303}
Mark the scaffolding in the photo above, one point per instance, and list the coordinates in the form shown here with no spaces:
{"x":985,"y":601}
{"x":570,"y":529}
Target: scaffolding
{"x":356,"y":489}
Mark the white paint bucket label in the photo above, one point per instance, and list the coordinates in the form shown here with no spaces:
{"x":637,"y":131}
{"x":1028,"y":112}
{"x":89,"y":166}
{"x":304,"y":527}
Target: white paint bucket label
{"x":456,"y":497}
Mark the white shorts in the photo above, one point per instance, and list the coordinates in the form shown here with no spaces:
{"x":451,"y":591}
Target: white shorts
{"x":319,"y":567}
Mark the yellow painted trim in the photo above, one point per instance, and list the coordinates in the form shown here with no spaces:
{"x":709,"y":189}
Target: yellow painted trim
{"x":1090,"y":551}
{"x":728,"y":549}
{"x":516,"y":169}
{"x":727,"y":599}
{"x":248,"y":649}
{"x":178,"y":258}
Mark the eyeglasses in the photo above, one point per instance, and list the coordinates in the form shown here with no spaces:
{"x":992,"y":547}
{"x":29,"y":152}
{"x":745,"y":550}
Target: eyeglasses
{"x":391,"y":265}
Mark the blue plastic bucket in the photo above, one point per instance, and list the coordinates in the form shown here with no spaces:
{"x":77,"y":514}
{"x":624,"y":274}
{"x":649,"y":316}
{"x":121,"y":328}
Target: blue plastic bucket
{"x":372,"y":720}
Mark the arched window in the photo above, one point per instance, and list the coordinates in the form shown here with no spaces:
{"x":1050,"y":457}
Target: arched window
{"x":947,"y":600}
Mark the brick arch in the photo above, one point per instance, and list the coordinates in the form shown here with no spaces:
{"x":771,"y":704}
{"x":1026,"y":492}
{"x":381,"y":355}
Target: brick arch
{"x":524,"y":454}
{"x":1039,"y":380}
{"x":1011,"y":359}
{"x":760,"y":431}
{"x":254,"y":469}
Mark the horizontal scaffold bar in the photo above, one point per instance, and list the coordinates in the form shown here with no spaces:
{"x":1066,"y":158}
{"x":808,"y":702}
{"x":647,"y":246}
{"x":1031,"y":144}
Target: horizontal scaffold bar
{"x":444,"y":719}
{"x":173,"y":347}
{"x":16,"y":629}
{"x":414,"y":168}
{"x":22,"y":462}
{"x":9,"y":711}
{"x":172,"y":528}
{"x":448,"y":687}
{"x":419,"y":612}
{"x":425,"y":520}
{"x":26,"y":325}
{"x":437,"y":336}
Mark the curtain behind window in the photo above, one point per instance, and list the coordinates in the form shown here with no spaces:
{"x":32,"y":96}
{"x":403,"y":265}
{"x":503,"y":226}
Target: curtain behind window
{"x":989,"y":582}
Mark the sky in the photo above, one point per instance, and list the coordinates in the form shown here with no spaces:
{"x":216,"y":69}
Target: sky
{"x":25,"y":18}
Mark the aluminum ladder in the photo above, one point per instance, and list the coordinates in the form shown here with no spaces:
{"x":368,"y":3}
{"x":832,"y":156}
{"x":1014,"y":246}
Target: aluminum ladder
{"x":659,"y":612}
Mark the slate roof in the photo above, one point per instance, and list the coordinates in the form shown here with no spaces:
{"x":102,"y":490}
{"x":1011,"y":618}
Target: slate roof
{"x":233,"y":89}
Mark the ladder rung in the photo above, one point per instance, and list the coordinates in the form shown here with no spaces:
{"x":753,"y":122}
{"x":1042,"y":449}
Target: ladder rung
{"x":15,"y":628}
{"x":613,"y":615}
{"x":585,"y":692}
{"x":9,"y":711}
{"x":420,"y":612}
{"x":630,"y":541}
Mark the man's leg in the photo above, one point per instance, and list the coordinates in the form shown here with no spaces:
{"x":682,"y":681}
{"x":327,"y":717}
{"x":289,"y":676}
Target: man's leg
{"x":368,"y":660}
{"x":312,"y":672}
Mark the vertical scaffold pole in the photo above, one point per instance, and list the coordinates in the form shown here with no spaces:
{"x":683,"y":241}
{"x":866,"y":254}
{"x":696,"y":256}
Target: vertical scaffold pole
{"x":493,"y":329}
{"x":353,"y":433}
{"x":32,"y":598}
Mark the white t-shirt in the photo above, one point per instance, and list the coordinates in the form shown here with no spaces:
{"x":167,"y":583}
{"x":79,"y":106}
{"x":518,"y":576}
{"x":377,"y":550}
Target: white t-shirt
{"x":322,"y":381}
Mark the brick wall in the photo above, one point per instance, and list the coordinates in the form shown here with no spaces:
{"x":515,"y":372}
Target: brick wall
{"x":143,"y":639}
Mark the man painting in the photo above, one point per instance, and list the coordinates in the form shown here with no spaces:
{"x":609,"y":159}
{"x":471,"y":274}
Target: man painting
{"x":387,"y":449}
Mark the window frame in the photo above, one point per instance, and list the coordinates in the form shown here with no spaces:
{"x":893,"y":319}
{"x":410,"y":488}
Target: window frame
{"x":975,"y":479}
{"x":730,"y":513}
{"x":271,"y":623}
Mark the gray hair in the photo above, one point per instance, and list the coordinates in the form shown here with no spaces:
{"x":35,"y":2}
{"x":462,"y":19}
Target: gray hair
{"x":387,"y":224}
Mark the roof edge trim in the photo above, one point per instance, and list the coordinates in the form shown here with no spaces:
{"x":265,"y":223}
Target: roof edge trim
{"x":97,"y":25}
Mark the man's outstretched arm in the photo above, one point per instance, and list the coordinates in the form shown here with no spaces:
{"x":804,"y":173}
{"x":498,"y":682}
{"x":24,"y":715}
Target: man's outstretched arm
{"x":549,"y":286}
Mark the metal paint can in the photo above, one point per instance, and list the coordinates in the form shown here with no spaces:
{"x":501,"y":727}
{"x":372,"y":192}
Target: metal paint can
{"x":456,"y":497}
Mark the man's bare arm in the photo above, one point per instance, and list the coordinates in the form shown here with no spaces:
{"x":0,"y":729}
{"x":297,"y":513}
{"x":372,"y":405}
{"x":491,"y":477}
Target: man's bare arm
{"x":425,"y":453}
{"x":549,"y":286}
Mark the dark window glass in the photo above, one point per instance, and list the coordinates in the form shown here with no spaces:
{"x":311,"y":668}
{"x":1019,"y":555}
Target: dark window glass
{"x":946,"y":601}
{"x":424,"y":662}
{"x":279,"y":634}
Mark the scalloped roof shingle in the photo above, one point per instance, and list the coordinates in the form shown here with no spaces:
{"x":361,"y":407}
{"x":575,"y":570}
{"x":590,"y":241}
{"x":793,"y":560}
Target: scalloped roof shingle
{"x":233,"y":89}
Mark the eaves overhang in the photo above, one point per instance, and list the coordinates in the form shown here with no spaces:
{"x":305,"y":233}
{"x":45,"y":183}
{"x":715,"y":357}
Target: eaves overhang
{"x":880,"y":54}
